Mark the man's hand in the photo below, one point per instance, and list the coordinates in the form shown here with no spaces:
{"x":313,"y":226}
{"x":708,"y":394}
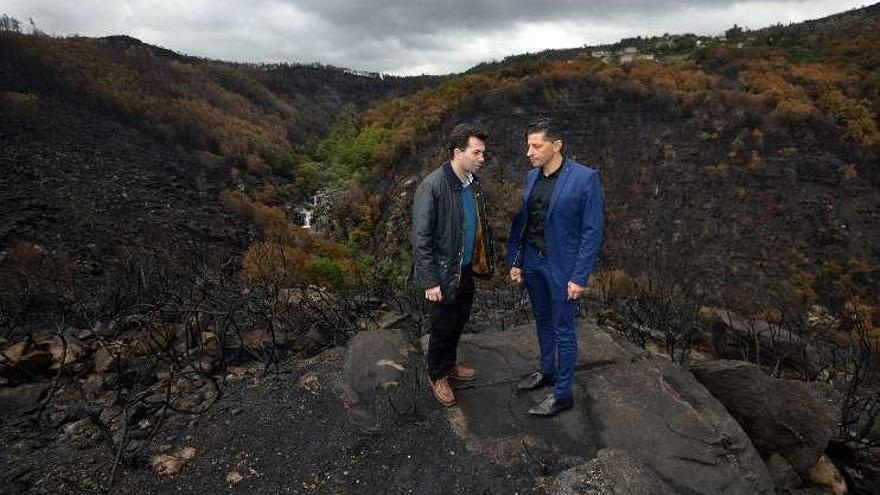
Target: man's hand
{"x":516,"y":275}
{"x":574,"y":291}
{"x":433,"y":294}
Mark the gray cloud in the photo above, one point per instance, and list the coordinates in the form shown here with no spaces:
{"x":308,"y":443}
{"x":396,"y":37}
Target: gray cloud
{"x":399,"y":36}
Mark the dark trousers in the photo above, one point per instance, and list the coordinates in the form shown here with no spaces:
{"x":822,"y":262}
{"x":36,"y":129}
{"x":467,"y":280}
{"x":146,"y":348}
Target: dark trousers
{"x":554,"y":319}
{"x":448,"y":318}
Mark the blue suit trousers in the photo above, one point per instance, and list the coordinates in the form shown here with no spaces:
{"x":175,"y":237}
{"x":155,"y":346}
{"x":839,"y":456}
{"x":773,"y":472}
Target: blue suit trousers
{"x":554,"y":319}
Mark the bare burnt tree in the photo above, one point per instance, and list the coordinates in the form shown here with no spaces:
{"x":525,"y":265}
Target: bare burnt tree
{"x":8,"y":23}
{"x":498,"y":308}
{"x":169,"y":331}
{"x":660,"y":308}
{"x":860,"y":405}
{"x":779,"y":337}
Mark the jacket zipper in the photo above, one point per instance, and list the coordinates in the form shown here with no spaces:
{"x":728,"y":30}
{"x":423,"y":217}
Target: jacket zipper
{"x":478,"y":191}
{"x":460,"y":247}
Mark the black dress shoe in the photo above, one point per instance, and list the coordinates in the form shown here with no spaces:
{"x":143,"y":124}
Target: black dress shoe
{"x":550,"y":406}
{"x":535,"y":380}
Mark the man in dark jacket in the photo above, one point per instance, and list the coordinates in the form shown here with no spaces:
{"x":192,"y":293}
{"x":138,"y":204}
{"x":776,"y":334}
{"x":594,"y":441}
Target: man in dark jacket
{"x":452,"y":243}
{"x":552,"y":247}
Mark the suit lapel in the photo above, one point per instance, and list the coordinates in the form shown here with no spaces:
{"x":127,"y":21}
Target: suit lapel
{"x":560,"y":184}
{"x":533,"y":178}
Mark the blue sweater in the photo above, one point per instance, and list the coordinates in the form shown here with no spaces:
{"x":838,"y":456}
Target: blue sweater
{"x":470,"y":225}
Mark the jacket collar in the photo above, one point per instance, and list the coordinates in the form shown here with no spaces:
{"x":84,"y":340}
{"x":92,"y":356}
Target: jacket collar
{"x":453,"y":179}
{"x":564,"y":171}
{"x":534,"y":173}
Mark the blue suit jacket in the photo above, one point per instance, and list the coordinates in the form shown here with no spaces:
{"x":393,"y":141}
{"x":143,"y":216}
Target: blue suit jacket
{"x":572,"y":228}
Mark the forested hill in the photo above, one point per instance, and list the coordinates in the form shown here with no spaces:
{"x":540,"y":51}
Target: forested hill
{"x":749,"y":157}
{"x":113,"y":149}
{"x":745,"y":164}
{"x":155,"y":268}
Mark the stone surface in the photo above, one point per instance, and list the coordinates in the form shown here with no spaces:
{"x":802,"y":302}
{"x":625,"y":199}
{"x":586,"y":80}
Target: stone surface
{"x":611,"y":472}
{"x":14,"y":353}
{"x":104,"y":360}
{"x":72,"y":351}
{"x":94,"y":385}
{"x":785,"y":417}
{"x":23,"y":360}
{"x":171,"y":463}
{"x":382,"y":320}
{"x":782,"y":473}
{"x":645,"y":409}
{"x":734,"y":337}
{"x":380,"y":377}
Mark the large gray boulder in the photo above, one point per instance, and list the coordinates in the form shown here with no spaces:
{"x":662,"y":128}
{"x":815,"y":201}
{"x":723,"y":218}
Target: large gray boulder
{"x":611,"y":472}
{"x":737,"y":337}
{"x":785,"y":417}
{"x":380,"y":378}
{"x":645,"y":410}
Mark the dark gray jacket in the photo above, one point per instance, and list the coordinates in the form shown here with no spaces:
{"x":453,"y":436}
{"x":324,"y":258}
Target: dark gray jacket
{"x":437,"y":232}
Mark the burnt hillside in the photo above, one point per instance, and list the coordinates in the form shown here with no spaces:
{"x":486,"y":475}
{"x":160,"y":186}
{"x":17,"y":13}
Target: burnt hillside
{"x":167,"y":323}
{"x":750,"y":159}
{"x":744,"y":169}
{"x":116,"y":152}
{"x":740,"y":204}
{"x":81,"y":196}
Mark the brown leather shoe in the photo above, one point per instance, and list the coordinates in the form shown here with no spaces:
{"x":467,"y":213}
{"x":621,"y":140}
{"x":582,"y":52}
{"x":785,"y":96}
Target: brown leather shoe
{"x":463,"y":373}
{"x":442,"y":391}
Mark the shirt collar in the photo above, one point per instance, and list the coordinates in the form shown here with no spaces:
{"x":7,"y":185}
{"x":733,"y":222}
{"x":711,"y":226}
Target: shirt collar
{"x":468,"y":180}
{"x":553,"y":175}
{"x":453,"y":178}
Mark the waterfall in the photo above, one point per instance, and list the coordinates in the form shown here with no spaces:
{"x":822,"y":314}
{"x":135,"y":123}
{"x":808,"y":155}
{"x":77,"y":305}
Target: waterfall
{"x":308,"y":212}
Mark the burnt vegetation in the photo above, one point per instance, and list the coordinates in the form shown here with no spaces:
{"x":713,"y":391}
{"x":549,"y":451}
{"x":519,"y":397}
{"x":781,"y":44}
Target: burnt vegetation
{"x":151,"y":249}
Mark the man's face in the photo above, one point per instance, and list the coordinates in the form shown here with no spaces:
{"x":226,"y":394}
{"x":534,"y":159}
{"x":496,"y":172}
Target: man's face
{"x":541,"y":150}
{"x":471,"y":158}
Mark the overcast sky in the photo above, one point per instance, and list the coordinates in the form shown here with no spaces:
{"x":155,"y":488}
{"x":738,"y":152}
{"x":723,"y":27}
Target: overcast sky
{"x":400,"y":36}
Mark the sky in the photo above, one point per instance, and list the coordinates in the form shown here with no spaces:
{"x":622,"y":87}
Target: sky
{"x":403,"y":37}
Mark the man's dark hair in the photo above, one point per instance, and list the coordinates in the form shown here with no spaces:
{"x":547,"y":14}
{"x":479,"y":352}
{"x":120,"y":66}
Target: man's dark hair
{"x":461,"y":135}
{"x":545,"y":125}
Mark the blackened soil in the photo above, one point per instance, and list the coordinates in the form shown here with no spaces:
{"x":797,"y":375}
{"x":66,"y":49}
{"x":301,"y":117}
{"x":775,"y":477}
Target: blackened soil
{"x":285,"y":432}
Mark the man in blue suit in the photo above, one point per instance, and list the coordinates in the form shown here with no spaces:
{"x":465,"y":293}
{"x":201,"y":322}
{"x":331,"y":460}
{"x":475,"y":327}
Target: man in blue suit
{"x":552,"y":247}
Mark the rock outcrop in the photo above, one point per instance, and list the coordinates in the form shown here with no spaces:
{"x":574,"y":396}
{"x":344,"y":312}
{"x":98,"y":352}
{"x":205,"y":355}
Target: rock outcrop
{"x":629,"y":407}
{"x":784,"y":417}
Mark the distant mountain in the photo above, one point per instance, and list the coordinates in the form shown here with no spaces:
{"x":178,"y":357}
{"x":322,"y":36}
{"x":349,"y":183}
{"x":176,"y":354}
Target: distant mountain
{"x":856,"y":23}
{"x":123,"y":43}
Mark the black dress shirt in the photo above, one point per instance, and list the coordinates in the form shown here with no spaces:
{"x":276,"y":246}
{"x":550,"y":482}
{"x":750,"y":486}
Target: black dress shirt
{"x":539,"y":202}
